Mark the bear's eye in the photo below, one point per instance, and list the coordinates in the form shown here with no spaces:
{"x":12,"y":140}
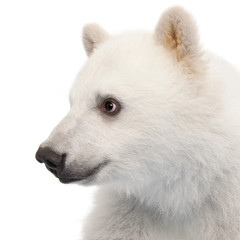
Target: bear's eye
{"x":110,"y":106}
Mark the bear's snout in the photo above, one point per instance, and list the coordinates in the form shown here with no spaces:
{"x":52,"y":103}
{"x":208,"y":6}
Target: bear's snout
{"x":51,"y":159}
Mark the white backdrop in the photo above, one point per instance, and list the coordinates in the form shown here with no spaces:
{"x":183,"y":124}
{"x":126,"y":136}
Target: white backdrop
{"x":40,"y":55}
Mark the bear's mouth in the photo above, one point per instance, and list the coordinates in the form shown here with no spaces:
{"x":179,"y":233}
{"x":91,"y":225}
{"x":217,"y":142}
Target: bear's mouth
{"x":71,"y":177}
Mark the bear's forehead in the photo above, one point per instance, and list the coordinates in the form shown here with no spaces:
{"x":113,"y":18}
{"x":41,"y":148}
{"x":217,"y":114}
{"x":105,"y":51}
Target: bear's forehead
{"x":129,"y":49}
{"x":125,"y":55}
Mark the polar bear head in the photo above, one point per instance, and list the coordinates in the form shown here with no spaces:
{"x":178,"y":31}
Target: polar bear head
{"x":134,"y":108}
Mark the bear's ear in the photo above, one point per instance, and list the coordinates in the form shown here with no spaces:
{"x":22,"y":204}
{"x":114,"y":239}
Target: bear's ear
{"x":92,"y":36}
{"x":177,"y":32}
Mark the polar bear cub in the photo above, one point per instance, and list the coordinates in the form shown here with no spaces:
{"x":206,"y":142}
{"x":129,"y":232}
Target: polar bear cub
{"x":155,"y":122}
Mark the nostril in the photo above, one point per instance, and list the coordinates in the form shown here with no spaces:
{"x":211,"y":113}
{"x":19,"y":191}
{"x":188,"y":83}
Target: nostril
{"x":50,"y":157}
{"x":50,"y":164}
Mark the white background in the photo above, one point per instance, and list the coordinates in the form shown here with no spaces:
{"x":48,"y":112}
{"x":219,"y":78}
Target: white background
{"x":40,"y":55}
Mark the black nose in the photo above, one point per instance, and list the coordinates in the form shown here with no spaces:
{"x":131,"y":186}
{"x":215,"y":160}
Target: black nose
{"x":48,"y":156}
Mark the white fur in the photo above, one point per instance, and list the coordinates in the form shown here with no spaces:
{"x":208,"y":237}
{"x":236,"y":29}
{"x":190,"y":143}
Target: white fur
{"x":174,"y":148}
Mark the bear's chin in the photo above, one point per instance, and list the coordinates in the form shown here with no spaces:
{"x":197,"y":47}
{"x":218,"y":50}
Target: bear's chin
{"x":70,"y":180}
